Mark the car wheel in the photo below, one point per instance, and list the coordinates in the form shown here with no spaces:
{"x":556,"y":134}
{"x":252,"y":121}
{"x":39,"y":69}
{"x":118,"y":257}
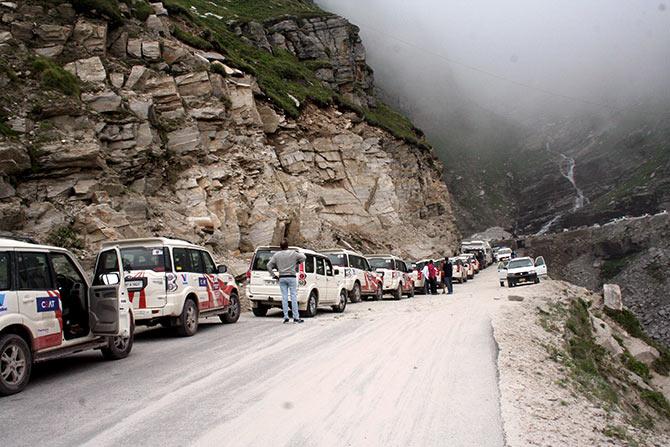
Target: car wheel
{"x":312,"y":304}
{"x":234,"y":310}
{"x":411,"y":293}
{"x":379,"y":295}
{"x":397,"y":294}
{"x":342,"y":304}
{"x":188,"y":320}
{"x":355,"y":294}
{"x":119,"y":347}
{"x":537,"y":280}
{"x":502,"y":283}
{"x":260,"y":311}
{"x":510,"y":283}
{"x":16,"y":362}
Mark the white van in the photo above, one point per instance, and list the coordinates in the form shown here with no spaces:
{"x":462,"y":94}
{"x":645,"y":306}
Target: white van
{"x":173,"y":282}
{"x":48,"y":309}
{"x":319,"y":284}
{"x":359,"y":279}
{"x":479,"y":246}
{"x":396,"y":278}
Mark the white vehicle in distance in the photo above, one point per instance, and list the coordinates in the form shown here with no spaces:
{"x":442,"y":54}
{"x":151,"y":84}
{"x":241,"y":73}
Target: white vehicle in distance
{"x":521,"y":270}
{"x":502,"y":272}
{"x":479,"y":246}
{"x":358,"y":278}
{"x":459,"y":270}
{"x":173,"y":283}
{"x":468,"y":265}
{"x":395,"y":275}
{"x":48,"y":310}
{"x":319,"y":284}
{"x":504,"y":254}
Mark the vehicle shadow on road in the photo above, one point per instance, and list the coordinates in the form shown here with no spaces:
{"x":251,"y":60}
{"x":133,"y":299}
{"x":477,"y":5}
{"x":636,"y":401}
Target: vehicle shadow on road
{"x":158,"y":333}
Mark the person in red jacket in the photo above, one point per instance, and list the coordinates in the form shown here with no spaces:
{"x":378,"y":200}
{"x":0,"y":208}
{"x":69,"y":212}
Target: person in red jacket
{"x":432,"y":277}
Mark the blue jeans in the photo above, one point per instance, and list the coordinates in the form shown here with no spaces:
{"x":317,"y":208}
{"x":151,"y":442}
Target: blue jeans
{"x":450,"y":287}
{"x":286,"y":285}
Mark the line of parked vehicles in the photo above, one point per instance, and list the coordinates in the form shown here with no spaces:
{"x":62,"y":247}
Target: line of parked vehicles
{"x":49,"y":308}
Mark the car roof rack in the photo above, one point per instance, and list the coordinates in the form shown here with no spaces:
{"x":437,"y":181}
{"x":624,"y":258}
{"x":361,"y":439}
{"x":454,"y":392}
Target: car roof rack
{"x":176,"y":238}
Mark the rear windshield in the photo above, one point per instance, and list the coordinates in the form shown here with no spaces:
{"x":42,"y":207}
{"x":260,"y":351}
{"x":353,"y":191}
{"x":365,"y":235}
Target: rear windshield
{"x":517,"y":263}
{"x":381,"y":263}
{"x":261,"y":259}
{"x":338,"y":259}
{"x":143,"y":258}
{"x":504,"y":250}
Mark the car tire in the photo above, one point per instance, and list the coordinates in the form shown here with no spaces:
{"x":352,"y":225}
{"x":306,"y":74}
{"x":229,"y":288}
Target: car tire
{"x":188,"y":320}
{"x":18,"y":358}
{"x":355,"y":294}
{"x":234,"y":310}
{"x":510,"y":283}
{"x":411,"y":293}
{"x":118,"y":347}
{"x":342,"y":304}
{"x":537,"y":281}
{"x":379,"y":295}
{"x":260,"y":311}
{"x":397,"y":294}
{"x":312,"y":304}
{"x":502,"y":283}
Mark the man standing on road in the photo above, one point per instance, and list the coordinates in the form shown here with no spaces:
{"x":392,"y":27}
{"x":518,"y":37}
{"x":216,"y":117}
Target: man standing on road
{"x":447,"y":275}
{"x":285,"y":262}
{"x":432,"y":277}
{"x":426,"y":281}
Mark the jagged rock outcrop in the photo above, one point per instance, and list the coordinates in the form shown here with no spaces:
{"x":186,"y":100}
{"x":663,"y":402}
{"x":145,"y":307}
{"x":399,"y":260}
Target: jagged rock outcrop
{"x":159,"y":143}
{"x":330,"y":41}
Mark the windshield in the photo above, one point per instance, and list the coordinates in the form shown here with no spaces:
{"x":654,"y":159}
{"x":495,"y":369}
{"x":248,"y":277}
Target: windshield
{"x":261,"y":259}
{"x":519,"y":263}
{"x":338,"y":259}
{"x":381,"y":263}
{"x":143,"y":258}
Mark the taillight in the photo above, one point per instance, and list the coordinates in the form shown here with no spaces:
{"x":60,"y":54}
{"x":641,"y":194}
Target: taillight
{"x":396,"y":274}
{"x":419,"y":276}
{"x":302,"y":276}
{"x":248,"y":276}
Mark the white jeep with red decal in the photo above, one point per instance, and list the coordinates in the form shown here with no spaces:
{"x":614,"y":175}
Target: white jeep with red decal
{"x":173,"y":282}
{"x":48,"y":309}
{"x":396,"y":278}
{"x":359,"y":278}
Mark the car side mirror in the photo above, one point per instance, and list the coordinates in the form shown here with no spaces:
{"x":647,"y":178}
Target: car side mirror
{"x":110,"y":279}
{"x":222,"y":268}
{"x":337,"y":271}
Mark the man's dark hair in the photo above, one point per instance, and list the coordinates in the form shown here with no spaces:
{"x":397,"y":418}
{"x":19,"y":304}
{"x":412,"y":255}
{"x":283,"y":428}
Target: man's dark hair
{"x":284,"y":244}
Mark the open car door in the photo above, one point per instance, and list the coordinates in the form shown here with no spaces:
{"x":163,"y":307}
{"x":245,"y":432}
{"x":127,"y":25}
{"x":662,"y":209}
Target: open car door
{"x":540,"y":266}
{"x":109,"y":308}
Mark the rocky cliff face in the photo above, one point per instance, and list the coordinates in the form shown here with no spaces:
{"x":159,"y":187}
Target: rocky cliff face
{"x":633,"y":253}
{"x":116,"y":129}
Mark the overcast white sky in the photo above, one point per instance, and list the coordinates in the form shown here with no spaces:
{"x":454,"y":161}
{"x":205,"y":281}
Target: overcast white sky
{"x":605,"y":51}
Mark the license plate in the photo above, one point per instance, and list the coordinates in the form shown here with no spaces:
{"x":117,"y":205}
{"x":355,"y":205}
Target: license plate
{"x":135,"y":284}
{"x":270,"y":282}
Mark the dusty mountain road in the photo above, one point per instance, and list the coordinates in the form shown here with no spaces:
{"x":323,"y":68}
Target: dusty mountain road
{"x":421,"y":372}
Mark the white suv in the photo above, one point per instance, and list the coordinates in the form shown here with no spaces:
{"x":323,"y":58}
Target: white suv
{"x":396,"y":279}
{"x":417,"y":273}
{"x":319,"y":284}
{"x":173,"y":282}
{"x":48,"y":309}
{"x":359,"y":279}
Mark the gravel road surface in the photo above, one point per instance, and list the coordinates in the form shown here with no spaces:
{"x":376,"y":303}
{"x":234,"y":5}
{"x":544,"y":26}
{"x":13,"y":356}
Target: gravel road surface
{"x":418,"y":372}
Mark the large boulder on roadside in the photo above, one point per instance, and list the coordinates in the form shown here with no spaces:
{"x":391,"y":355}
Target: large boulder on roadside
{"x":641,"y":351}
{"x":612,"y":293}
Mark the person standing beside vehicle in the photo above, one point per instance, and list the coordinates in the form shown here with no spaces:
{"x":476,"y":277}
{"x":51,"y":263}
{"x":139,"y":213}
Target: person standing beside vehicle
{"x":426,"y":282}
{"x":432,"y":277}
{"x":447,"y":275}
{"x":285,"y":262}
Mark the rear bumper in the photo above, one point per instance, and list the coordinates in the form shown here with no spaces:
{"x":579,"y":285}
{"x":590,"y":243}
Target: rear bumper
{"x":144,"y":315}
{"x":274,"y":299}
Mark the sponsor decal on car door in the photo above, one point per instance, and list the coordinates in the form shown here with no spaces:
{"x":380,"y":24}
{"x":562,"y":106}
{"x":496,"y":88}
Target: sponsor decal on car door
{"x":39,"y":301}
